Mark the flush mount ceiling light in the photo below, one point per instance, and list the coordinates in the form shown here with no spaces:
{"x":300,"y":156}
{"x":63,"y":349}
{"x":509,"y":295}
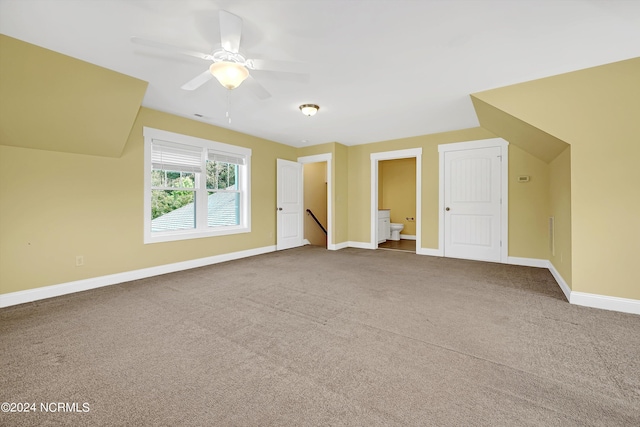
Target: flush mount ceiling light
{"x":309,"y":109}
{"x":229,"y":74}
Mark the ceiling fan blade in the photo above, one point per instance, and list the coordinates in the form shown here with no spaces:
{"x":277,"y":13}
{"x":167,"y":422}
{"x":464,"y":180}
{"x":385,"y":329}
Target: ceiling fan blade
{"x":175,"y":49}
{"x":198,"y":81}
{"x":280,"y":66}
{"x":255,"y":87}
{"x":230,"y":31}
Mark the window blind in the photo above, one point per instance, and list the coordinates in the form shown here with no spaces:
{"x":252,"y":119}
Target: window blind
{"x":219,"y":156}
{"x":176,"y":157}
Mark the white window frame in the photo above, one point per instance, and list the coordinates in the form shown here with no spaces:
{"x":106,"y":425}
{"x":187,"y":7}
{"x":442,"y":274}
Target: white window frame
{"x":201,"y":229}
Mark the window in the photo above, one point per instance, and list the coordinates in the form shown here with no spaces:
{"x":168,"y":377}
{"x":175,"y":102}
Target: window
{"x":194,"y":187}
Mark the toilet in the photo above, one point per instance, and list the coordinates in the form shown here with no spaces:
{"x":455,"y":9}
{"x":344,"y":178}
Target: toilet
{"x":395,"y":230}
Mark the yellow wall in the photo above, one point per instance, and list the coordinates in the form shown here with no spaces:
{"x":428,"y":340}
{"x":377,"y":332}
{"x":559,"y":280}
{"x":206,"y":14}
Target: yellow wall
{"x":560,"y":209}
{"x":597,"y":112}
{"x":315,"y":199}
{"x":359,"y":179}
{"x":397,"y":182}
{"x":55,"y":206}
{"x":528,"y":205}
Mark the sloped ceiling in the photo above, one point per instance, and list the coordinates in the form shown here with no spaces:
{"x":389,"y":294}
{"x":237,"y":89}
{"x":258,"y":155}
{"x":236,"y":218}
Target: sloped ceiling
{"x":51,"y":101}
{"x":379,"y":69}
{"x":531,"y":139}
{"x":596,"y":105}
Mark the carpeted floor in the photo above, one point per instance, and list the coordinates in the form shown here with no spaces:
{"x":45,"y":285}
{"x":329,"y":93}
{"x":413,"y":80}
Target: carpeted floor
{"x":310,"y":337}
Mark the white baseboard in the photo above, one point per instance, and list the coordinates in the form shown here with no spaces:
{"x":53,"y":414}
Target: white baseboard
{"x":408,"y":236}
{"x":429,"y":252}
{"x":624,"y":305}
{"x":566,"y":289}
{"x":338,"y":246}
{"x":360,"y":245}
{"x":528,"y":262}
{"x":305,"y":242}
{"x":605,"y":302}
{"x":30,"y":295}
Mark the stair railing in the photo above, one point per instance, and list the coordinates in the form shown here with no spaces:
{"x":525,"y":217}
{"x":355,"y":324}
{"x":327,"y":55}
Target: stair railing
{"x":316,"y":220}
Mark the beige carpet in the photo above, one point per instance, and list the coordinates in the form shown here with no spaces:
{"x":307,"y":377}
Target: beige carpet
{"x":315,"y":337}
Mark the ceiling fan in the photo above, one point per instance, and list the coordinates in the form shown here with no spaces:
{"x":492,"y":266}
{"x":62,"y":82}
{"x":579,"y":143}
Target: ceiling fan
{"x":229,"y":66}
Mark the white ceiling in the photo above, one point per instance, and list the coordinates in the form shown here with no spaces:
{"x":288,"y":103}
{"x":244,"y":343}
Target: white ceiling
{"x":379,"y":69}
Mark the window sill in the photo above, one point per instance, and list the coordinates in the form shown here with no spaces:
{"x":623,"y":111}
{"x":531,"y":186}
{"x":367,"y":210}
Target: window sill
{"x":173,"y":236}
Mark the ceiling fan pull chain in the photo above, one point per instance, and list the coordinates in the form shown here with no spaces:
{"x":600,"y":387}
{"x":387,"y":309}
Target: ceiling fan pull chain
{"x":228,"y":105}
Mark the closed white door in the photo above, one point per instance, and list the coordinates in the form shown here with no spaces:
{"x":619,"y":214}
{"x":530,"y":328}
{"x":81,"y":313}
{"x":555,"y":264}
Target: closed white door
{"x":289,"y":205}
{"x":472,"y":200}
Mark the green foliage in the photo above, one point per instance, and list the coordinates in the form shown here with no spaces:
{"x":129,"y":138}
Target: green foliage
{"x":221,"y":176}
{"x":164,"y":201}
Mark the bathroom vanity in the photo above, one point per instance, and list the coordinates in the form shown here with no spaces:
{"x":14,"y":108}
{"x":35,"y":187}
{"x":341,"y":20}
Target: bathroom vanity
{"x":384,"y":225}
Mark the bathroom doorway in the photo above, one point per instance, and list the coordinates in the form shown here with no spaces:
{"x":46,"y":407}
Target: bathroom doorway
{"x":397,"y":194}
{"x":396,"y":200}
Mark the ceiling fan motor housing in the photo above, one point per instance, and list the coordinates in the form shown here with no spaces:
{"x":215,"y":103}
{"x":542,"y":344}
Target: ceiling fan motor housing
{"x":221,"y":55}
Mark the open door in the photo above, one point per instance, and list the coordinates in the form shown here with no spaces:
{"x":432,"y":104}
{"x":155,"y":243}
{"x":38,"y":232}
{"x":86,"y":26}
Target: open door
{"x":289,"y":197}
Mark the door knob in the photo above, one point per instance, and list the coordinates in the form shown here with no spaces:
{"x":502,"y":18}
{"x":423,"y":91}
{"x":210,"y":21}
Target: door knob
{"x":447,"y":209}
{"x":279,"y":209}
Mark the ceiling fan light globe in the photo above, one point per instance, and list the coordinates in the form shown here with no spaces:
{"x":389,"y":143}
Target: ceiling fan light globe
{"x":309,"y":109}
{"x":229,"y":74}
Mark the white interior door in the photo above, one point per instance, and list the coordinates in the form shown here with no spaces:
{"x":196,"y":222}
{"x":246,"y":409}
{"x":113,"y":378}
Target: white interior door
{"x":472,"y":200}
{"x":289,"y":197}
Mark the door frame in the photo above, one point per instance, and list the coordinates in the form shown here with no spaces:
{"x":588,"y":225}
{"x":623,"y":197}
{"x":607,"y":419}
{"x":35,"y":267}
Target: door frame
{"x":393,"y":155}
{"x":318,"y":158}
{"x":504,"y":180}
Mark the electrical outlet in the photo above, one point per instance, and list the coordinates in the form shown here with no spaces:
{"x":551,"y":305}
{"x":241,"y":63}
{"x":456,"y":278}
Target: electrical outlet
{"x":79,"y":261}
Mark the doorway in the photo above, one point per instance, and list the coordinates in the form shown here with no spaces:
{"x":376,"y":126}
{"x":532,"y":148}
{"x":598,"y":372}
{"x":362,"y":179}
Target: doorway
{"x":414,"y":155}
{"x":315,"y":203}
{"x":318,"y":169}
{"x":397,"y":196}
